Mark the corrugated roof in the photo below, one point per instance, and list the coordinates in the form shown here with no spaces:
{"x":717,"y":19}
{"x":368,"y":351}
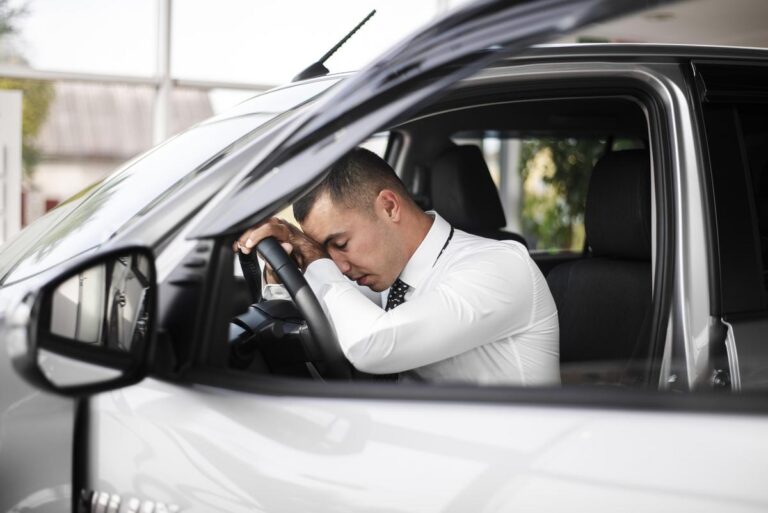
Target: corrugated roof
{"x":112,"y":121}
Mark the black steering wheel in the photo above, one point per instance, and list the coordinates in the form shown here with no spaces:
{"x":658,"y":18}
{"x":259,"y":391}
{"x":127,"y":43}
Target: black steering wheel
{"x":324,"y":342}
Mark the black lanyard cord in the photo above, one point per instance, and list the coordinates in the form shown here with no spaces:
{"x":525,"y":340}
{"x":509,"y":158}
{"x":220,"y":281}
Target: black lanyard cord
{"x":450,"y":236}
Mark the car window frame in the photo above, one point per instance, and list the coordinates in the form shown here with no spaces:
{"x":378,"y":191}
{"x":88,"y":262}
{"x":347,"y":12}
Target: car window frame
{"x":203,"y":373}
{"x":742,"y":324}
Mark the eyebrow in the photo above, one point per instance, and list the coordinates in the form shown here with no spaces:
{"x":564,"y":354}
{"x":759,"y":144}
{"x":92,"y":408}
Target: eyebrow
{"x":331,"y":237}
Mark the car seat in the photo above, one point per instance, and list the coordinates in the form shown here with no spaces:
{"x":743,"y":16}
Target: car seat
{"x":463,"y":192}
{"x":604,"y":299}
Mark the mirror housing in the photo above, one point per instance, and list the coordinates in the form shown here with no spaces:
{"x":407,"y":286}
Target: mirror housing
{"x":92,"y":327}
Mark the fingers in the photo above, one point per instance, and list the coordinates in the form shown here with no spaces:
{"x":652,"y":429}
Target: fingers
{"x":302,"y":249}
{"x":271,"y":228}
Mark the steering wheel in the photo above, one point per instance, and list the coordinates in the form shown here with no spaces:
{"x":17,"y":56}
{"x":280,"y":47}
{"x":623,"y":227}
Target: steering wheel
{"x":325,"y":345}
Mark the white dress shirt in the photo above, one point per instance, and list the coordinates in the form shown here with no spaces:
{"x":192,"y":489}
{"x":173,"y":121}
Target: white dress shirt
{"x":482,"y":313}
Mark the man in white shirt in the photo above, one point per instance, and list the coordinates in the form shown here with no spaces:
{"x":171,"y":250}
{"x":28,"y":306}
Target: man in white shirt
{"x":407,"y":293}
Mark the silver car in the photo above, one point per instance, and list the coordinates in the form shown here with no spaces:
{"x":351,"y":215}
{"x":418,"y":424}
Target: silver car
{"x":142,"y":373}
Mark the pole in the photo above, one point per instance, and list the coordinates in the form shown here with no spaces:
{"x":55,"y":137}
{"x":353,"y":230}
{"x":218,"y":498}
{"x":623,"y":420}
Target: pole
{"x":163,"y":93}
{"x":10,"y":164}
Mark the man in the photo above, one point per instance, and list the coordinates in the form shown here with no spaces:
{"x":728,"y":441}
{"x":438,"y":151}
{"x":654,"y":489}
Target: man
{"x":407,"y":293}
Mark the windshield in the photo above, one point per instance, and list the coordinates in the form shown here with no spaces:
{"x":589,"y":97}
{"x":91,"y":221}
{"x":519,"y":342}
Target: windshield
{"x":97,"y":213}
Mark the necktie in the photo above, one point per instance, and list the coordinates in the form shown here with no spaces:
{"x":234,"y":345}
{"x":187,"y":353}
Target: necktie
{"x":396,"y":296}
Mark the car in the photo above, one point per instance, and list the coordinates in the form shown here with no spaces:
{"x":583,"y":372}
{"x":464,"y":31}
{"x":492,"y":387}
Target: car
{"x":141,"y":373}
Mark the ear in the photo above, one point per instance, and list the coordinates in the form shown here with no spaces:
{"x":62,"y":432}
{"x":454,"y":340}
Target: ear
{"x":388,"y":205}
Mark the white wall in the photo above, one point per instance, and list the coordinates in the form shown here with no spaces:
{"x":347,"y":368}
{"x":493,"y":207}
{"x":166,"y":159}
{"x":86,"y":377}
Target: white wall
{"x":10,"y":164}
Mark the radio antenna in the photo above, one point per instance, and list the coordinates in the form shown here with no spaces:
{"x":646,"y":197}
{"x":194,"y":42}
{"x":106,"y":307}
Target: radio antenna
{"x":318,"y":68}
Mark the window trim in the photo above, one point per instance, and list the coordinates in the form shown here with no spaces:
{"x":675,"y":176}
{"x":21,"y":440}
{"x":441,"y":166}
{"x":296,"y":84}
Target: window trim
{"x":622,"y":84}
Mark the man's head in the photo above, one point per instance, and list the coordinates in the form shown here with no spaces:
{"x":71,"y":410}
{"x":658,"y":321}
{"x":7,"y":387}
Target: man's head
{"x":364,"y":217}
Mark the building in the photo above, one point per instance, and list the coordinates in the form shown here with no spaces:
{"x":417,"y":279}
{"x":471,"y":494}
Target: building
{"x":92,"y":128}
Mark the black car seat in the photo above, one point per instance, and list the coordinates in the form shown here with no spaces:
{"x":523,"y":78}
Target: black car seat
{"x":604,"y":300}
{"x":463,"y":192}
{"x":761,"y":202}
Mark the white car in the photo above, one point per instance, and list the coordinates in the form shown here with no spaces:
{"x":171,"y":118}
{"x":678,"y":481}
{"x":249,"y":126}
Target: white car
{"x":140,"y":373}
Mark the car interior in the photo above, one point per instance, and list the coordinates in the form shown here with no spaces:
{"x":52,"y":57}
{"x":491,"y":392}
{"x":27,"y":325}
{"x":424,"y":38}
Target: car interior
{"x":511,"y":169}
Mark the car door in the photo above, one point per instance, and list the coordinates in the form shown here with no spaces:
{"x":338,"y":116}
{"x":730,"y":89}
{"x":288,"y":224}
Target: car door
{"x":218,"y":442}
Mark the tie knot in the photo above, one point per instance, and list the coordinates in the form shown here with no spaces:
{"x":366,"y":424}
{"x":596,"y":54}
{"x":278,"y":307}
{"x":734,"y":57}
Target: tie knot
{"x":396,"y":296}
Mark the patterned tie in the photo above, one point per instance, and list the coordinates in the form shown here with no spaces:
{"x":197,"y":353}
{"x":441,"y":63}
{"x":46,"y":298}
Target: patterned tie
{"x":396,"y":296}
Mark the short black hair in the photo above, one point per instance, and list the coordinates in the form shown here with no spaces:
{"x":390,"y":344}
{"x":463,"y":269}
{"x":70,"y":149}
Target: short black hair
{"x":353,"y":181}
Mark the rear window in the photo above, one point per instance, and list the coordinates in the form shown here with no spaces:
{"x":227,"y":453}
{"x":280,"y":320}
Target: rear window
{"x":737,"y":139}
{"x":543,"y":182}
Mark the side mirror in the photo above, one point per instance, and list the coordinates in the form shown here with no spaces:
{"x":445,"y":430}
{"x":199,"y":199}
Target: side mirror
{"x":91,"y":329}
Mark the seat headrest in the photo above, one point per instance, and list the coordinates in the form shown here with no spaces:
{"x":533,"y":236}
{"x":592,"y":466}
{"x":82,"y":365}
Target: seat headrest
{"x":618,"y":214}
{"x":463,"y":191}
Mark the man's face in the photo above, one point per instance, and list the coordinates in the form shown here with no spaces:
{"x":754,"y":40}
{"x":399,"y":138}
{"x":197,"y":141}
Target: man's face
{"x":361,"y":242}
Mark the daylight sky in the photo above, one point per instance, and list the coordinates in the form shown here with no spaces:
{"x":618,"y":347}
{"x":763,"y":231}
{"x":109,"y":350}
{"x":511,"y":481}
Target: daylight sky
{"x":252,"y":41}
{"x":267,"y":42}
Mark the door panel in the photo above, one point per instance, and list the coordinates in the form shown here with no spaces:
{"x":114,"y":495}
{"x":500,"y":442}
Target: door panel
{"x":36,"y":434}
{"x":208,"y":449}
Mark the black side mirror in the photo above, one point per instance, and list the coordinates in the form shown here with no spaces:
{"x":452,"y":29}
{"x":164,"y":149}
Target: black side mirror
{"x":91,"y":328}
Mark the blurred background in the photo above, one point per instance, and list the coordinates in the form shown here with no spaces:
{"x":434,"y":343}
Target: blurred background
{"x":90,"y":84}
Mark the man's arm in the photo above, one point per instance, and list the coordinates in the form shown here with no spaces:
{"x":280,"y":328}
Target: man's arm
{"x":478,"y":301}
{"x":278,"y":291}
{"x":298,"y":245}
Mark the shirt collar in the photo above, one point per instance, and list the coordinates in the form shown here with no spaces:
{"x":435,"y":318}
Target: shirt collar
{"x":426,"y":254}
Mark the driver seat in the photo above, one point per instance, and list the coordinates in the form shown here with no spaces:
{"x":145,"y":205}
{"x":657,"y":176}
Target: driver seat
{"x":463,"y":192}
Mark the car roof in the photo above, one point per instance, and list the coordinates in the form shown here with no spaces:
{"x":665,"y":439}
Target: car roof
{"x":636,"y":50}
{"x":611,"y":51}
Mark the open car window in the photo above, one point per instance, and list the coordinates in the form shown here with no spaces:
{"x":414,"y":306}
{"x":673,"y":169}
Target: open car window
{"x":547,"y":181}
{"x":542,"y":181}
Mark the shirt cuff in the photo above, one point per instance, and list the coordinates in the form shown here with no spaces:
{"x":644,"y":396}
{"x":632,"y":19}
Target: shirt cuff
{"x":274,"y":291}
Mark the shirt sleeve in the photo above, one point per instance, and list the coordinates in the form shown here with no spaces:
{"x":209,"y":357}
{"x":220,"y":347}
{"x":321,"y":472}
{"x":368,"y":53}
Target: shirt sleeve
{"x":278,"y":290}
{"x":274,"y":291}
{"x":477,"y":300}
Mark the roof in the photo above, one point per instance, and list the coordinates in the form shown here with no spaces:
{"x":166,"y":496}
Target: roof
{"x":738,"y":23}
{"x":631,"y":52}
{"x":112,"y":121}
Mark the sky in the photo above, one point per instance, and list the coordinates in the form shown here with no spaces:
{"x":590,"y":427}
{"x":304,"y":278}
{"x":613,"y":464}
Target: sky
{"x":251,"y":41}
{"x":267,"y":42}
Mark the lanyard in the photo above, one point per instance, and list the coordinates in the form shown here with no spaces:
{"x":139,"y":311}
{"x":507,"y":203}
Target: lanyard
{"x":450,"y":236}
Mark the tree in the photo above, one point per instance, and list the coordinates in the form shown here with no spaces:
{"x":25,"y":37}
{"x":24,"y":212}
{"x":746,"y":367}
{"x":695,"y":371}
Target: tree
{"x":555,"y":175}
{"x":8,"y":15}
{"x":37,"y":95}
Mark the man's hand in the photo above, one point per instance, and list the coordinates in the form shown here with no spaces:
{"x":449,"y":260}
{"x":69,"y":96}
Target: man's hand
{"x":300,"y":247}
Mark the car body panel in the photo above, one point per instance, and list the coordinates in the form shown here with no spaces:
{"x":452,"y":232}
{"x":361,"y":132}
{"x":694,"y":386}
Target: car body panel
{"x":234,"y":452}
{"x":36,"y":434}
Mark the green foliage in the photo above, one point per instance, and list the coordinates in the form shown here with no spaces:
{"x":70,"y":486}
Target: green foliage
{"x":37,"y":95}
{"x":8,"y":15}
{"x":555,"y":174}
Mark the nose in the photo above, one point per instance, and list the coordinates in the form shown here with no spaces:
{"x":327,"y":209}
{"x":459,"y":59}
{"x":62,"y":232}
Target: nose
{"x":341,"y":262}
